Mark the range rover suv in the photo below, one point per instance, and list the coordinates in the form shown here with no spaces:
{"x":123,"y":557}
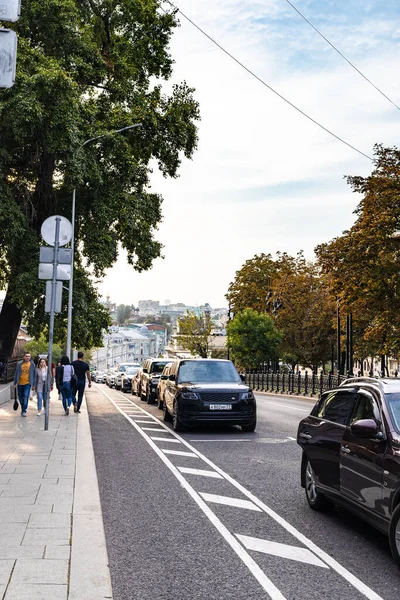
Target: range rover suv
{"x":150,"y":376}
{"x":351,"y":453}
{"x":200,"y":391}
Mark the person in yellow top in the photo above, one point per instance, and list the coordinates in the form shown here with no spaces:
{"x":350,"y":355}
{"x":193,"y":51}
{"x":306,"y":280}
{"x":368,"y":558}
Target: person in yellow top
{"x":24,"y":379}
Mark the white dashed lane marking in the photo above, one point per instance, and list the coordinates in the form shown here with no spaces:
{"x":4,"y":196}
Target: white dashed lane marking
{"x":163,"y":439}
{"x":179,"y":453}
{"x":282,"y":550}
{"x":201,"y":472}
{"x":151,"y":429}
{"x":237,"y":502}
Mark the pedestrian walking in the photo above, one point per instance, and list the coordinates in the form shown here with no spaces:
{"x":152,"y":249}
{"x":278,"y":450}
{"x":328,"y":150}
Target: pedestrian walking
{"x":40,"y":386}
{"x":82,"y":371}
{"x":24,"y":379}
{"x":66,"y":377}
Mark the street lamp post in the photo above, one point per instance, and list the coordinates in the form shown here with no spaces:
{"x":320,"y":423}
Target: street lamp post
{"x":71,"y":281}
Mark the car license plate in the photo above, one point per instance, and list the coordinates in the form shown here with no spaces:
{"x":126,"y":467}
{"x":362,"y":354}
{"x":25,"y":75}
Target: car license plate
{"x":220,"y":406}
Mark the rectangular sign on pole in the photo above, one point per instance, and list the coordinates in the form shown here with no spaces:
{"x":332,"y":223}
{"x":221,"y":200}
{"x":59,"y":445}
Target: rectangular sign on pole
{"x":47,"y":304}
{"x":8,"y":57}
{"x":10,"y":10}
{"x":64,"y":256}
{"x":46,"y":271}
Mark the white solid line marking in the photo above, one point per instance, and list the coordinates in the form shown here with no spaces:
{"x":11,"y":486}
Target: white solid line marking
{"x":307,"y":410}
{"x":201,"y":472}
{"x":143,"y":421}
{"x":150,"y":428}
{"x":238,"y":502}
{"x":179,"y":453}
{"x":291,"y":438}
{"x":282,"y":550}
{"x":161,"y":439}
{"x":250,"y":563}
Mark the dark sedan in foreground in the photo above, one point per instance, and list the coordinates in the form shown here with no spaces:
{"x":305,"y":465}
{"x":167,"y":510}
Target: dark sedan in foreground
{"x":351,"y":453}
{"x":200,"y":391}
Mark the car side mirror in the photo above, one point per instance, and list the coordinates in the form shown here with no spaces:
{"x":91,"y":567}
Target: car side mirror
{"x":164,"y":377}
{"x":145,"y":371}
{"x":365,"y":428}
{"x":172,"y":377}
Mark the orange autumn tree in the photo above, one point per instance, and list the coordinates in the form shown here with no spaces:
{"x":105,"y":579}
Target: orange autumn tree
{"x":363,"y":264}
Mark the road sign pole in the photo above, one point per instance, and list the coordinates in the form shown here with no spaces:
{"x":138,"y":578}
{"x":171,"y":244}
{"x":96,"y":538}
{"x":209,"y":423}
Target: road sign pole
{"x":51,"y":328}
{"x":71,"y":281}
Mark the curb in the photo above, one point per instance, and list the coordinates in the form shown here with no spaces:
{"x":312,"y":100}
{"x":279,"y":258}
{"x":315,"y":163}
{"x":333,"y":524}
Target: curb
{"x":5,"y":394}
{"x":312,"y":399}
{"x":89,"y":572}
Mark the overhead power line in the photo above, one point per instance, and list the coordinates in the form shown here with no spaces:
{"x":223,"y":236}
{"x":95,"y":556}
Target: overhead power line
{"x":342,"y":55}
{"x":237,"y":61}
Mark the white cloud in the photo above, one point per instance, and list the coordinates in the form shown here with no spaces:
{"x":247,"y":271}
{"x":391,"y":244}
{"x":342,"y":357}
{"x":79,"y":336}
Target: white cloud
{"x":245,"y":191}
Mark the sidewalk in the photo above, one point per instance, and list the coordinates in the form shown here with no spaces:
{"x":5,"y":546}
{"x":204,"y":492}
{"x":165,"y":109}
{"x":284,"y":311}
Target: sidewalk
{"x":52,"y":544}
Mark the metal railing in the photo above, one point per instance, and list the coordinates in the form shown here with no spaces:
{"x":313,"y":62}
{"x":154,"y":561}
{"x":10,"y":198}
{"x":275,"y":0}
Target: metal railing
{"x":301,"y":384}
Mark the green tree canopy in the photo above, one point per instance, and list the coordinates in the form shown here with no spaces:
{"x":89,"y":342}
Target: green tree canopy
{"x":194,"y":333}
{"x":253,"y":339}
{"x":41,"y":346}
{"x":294,"y":293}
{"x":85,"y":68}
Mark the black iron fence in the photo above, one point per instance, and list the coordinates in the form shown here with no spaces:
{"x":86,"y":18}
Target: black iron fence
{"x":7,"y":371}
{"x":301,"y":384}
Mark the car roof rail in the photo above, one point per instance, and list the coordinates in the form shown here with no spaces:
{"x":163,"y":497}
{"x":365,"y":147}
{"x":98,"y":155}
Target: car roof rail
{"x":378,"y":381}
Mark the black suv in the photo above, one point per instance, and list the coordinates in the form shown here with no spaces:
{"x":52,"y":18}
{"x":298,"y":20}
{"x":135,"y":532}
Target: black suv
{"x":149,"y":378}
{"x":200,"y":391}
{"x":351,"y":453}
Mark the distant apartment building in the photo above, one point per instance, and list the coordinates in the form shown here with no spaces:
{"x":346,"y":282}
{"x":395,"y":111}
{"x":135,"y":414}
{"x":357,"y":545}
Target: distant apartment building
{"x":149,"y":307}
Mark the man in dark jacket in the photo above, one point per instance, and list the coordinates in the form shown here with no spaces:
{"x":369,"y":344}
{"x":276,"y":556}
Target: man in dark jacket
{"x":24,"y":379}
{"x":82,"y":371}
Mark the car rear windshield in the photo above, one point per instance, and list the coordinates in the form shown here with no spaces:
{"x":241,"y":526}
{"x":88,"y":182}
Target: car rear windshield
{"x":131,"y":370}
{"x":197,"y":371}
{"x":157,"y":367}
{"x":394,"y":407}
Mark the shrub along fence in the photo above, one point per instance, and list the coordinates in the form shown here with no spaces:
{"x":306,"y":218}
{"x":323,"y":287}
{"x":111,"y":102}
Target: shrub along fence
{"x":302,"y":384}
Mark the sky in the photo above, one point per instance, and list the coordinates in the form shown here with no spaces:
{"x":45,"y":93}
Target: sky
{"x":264,"y":178}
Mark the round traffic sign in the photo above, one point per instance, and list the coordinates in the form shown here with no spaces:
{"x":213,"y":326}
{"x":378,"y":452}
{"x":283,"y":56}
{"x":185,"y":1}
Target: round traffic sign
{"x":48,"y":230}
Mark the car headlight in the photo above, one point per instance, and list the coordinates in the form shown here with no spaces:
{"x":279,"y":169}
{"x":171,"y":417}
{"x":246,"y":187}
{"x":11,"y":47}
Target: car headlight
{"x":189,"y":396}
{"x":247,"y":396}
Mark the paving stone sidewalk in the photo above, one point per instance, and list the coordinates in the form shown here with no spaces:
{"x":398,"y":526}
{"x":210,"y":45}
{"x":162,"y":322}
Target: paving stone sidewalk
{"x":50,"y":513}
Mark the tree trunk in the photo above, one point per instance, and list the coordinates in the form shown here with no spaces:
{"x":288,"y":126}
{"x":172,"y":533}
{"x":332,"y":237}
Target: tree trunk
{"x":10,"y":321}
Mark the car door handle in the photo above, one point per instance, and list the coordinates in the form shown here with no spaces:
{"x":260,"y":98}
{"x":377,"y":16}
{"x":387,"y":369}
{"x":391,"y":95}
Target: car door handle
{"x":306,"y":436}
{"x":346,"y":449}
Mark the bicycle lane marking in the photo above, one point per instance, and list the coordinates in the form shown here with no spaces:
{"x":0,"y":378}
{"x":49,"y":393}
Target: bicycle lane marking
{"x":322,"y":555}
{"x":263,"y":580}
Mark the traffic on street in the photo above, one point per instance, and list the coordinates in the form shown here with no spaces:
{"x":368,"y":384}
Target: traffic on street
{"x":214,"y":512}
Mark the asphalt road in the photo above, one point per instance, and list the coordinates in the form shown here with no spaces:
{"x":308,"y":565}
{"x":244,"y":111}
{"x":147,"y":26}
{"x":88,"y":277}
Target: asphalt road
{"x":227,"y":519}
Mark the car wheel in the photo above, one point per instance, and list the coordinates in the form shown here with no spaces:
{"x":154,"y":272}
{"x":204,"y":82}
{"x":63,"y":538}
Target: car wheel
{"x":315,"y":499}
{"x":167,"y":417}
{"x":142,"y":396}
{"x":176,"y":422}
{"x":160,"y":403}
{"x":148,"y":397}
{"x":394,"y":535}
{"x":251,"y":427}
